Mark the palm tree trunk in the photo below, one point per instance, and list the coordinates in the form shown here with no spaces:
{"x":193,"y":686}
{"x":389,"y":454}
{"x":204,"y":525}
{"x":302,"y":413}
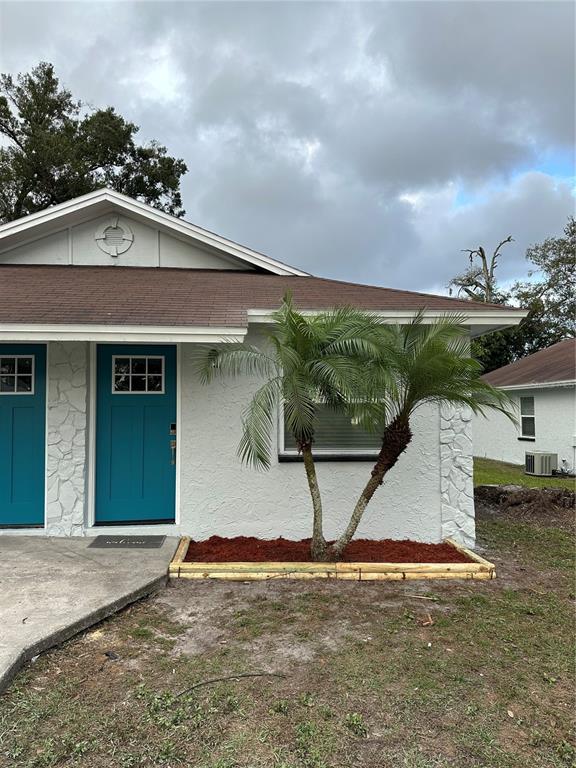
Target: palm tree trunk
{"x":395,"y":440}
{"x":318,"y":543}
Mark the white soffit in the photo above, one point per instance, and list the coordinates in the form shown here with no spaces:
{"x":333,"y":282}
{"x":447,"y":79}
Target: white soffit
{"x":480,"y":321}
{"x":161,"y":334}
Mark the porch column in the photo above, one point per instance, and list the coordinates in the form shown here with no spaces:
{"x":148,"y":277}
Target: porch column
{"x":66,"y":438}
{"x":456,"y":471}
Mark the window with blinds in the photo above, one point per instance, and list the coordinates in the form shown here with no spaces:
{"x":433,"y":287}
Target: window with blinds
{"x":336,"y":433}
{"x":527,"y":417}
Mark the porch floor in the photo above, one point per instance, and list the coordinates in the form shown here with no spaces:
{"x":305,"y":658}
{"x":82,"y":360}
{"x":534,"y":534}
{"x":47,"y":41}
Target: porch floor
{"x":52,"y":588}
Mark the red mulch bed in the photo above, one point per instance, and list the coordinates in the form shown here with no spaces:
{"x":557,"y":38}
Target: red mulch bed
{"x":250,"y":549}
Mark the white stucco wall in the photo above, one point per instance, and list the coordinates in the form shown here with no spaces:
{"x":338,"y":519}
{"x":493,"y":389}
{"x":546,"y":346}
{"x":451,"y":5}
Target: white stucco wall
{"x":220,"y":496}
{"x":495,"y":437}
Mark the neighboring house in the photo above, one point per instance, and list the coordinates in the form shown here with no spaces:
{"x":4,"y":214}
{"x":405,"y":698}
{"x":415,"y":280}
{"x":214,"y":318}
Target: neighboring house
{"x":105,"y":426}
{"x":543,"y":387}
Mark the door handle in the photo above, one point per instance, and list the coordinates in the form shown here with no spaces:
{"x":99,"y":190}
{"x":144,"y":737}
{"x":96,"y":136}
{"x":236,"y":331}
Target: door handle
{"x":172,"y":452}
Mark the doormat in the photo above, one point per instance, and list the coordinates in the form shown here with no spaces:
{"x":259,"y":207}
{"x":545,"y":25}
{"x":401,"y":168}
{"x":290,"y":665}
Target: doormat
{"x":127,"y":542}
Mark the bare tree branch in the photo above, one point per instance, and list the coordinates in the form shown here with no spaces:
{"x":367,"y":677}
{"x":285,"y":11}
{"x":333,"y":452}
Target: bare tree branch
{"x":228,"y":677}
{"x":479,"y":283}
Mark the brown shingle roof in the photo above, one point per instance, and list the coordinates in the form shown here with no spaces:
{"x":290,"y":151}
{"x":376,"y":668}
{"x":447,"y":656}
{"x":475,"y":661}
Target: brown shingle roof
{"x":556,"y":363}
{"x":182,"y":297}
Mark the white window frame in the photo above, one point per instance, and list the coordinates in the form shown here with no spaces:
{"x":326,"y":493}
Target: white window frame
{"x":33,"y":374}
{"x":528,"y":416}
{"x":318,"y":452}
{"x":144,"y":391}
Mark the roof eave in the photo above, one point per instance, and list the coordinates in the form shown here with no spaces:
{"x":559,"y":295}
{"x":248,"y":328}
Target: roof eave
{"x":537,"y":385}
{"x":166,"y":334}
{"x":481,"y":321}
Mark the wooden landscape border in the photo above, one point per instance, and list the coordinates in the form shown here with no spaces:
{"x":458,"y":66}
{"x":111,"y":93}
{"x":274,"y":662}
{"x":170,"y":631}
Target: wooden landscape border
{"x":478,"y":568}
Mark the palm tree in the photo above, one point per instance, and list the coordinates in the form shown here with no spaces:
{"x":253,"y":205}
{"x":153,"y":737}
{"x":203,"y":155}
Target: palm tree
{"x":416,"y":364}
{"x":307,"y":360}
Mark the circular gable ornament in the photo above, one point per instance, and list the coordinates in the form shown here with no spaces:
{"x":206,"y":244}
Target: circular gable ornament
{"x":114,"y":237}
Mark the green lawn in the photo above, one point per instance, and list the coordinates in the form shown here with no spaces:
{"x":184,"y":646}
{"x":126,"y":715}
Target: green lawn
{"x":371,"y":675}
{"x":490,"y":472}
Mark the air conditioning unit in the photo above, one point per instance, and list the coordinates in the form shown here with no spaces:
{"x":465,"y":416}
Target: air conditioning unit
{"x":540,"y":463}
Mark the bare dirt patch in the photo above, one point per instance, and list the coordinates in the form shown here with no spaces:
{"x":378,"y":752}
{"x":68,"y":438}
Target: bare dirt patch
{"x":553,"y":507}
{"x":277,"y":623}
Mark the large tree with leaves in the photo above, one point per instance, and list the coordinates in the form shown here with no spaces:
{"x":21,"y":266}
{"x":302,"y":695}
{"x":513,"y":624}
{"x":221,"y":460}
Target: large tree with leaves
{"x":348,"y":359}
{"x":549,"y":291}
{"x":54,"y":148}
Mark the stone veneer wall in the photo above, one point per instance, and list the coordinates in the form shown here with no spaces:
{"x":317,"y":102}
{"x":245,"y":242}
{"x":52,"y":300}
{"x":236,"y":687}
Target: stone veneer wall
{"x":456,"y":474}
{"x":66,"y":422}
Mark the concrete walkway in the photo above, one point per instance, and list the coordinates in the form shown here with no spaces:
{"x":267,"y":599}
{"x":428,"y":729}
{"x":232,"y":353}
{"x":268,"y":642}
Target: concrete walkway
{"x":52,"y":588}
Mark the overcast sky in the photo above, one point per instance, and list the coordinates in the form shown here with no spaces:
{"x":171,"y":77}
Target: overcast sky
{"x":366,"y":142}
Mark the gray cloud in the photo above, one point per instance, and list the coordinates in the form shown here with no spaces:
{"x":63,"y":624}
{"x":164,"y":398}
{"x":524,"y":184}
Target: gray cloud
{"x":526,"y":208}
{"x":368,"y":142}
{"x":516,"y":58}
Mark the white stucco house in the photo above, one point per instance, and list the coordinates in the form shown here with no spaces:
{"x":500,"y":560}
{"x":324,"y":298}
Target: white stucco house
{"x":543,"y":388}
{"x":105,"y":427}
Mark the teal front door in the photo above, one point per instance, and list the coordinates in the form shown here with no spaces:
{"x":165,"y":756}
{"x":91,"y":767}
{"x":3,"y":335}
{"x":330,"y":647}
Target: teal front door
{"x":22,"y":434}
{"x":135,"y":434}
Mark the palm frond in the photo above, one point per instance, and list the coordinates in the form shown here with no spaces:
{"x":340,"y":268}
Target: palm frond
{"x":258,"y":421}
{"x":233,"y":359}
{"x":300,"y":398}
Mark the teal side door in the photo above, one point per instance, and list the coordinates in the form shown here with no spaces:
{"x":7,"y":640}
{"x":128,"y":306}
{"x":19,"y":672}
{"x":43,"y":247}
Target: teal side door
{"x":22,"y":434}
{"x":135,"y":434}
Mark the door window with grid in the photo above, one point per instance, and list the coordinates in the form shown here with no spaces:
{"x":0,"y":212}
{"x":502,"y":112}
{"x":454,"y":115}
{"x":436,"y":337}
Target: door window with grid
{"x":17,"y":375}
{"x":138,"y":375}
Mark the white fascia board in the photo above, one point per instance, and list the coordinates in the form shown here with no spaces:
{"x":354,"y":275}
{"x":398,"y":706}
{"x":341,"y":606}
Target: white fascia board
{"x":503,"y":319}
{"x":542,"y":385}
{"x":159,"y":218}
{"x":121,"y":333}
